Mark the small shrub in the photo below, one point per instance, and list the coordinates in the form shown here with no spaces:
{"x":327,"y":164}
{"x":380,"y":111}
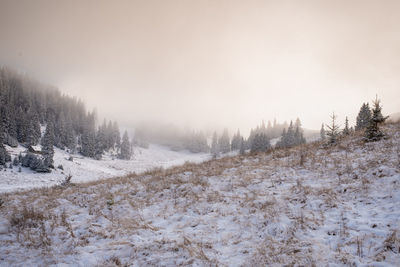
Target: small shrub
{"x":67,"y":180}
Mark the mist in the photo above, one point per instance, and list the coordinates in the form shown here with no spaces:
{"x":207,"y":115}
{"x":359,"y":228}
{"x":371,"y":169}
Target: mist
{"x":210,"y":64}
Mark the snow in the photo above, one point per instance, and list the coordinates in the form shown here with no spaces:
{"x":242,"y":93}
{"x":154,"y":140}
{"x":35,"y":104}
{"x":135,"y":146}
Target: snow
{"x":336,"y":207}
{"x":85,"y":169}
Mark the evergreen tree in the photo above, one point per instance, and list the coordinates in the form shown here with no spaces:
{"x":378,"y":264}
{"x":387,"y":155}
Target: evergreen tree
{"x":47,"y":145}
{"x":346,"y":129}
{"x":88,"y":138}
{"x":69,"y":137}
{"x":333,"y":130}
{"x":298,"y":136}
{"x":34,"y":134}
{"x":214,"y":145}
{"x":236,"y":141}
{"x":126,"y":152}
{"x":242,"y":146}
{"x":372,"y":132}
{"x":282,"y":141}
{"x":4,"y":156}
{"x":110,"y":136}
{"x":260,"y":143}
{"x":224,"y":142}
{"x":116,"y":136}
{"x":363,"y":117}
{"x":322,"y":132}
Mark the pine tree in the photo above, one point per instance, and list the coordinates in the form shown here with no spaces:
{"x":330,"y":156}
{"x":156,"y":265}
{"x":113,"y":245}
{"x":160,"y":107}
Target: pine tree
{"x":47,"y":145}
{"x":116,"y":136}
{"x":88,"y":138}
{"x":333,"y":130}
{"x":236,"y":141}
{"x":34,"y":133}
{"x":224,"y":142}
{"x":4,"y":156}
{"x":260,"y":143}
{"x":322,"y":132}
{"x":372,"y":132}
{"x":346,"y":129}
{"x":214,"y":145}
{"x":110,"y":136}
{"x":242,"y":146}
{"x":282,"y":141}
{"x":70,"y":137}
{"x":298,"y":134}
{"x":126,"y":152}
{"x":363,"y":117}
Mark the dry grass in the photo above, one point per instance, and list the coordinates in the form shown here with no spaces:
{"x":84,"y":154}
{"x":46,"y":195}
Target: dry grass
{"x":252,"y":184}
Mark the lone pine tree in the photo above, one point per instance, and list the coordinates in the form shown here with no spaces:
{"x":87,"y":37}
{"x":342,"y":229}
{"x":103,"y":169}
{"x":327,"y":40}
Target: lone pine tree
{"x":333,"y":130}
{"x":372,"y":132}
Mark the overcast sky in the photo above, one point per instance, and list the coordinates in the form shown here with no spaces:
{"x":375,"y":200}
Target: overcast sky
{"x":206,"y":63}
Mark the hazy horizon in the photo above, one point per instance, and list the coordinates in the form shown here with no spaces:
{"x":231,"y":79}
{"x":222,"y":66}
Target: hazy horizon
{"x":210,"y":63}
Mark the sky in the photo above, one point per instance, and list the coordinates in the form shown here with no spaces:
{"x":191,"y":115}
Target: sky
{"x":210,"y":63}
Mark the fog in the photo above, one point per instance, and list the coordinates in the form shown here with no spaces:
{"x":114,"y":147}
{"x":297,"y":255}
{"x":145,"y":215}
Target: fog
{"x":210,"y":63}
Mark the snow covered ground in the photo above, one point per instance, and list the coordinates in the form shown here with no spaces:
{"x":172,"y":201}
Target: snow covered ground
{"x":85,"y":169}
{"x":308,"y":206}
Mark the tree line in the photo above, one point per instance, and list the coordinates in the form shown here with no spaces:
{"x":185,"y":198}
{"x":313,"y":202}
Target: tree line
{"x":32,"y":113}
{"x":368,"y":121}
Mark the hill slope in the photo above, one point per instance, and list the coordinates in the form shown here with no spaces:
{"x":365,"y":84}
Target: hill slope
{"x":304,"y":206}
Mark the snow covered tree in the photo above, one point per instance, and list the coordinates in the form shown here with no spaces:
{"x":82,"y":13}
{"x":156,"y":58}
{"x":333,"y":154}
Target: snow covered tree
{"x":363,"y":117}
{"x":333,"y":130}
{"x":346,"y":129}
{"x":236,"y":141}
{"x":298,"y":134}
{"x":260,"y":143}
{"x":48,"y":146}
{"x":322,"y":132}
{"x":214,"y":145}
{"x":88,"y":138}
{"x":242,"y":146}
{"x":116,"y":136}
{"x":372,"y":132}
{"x":4,"y":156}
{"x":34,"y":134}
{"x":282,"y":141}
{"x":224,"y":142}
{"x":126,"y":151}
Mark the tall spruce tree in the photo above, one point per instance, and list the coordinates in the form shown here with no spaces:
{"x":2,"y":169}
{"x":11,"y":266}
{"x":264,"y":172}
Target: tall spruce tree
{"x":260,"y":143}
{"x":224,"y":142}
{"x":48,"y":145}
{"x":236,"y":141}
{"x":88,"y":138}
{"x":242,"y":146}
{"x":4,"y":156}
{"x":322,"y":132}
{"x":333,"y":130}
{"x":116,"y":136}
{"x":214,"y":145}
{"x":346,"y":129}
{"x":363,"y":117}
{"x":126,"y":152}
{"x":372,"y":132}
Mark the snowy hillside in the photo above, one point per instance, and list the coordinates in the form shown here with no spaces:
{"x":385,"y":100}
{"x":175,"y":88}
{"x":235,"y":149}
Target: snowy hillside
{"x":84,"y":169}
{"x":308,"y":206}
